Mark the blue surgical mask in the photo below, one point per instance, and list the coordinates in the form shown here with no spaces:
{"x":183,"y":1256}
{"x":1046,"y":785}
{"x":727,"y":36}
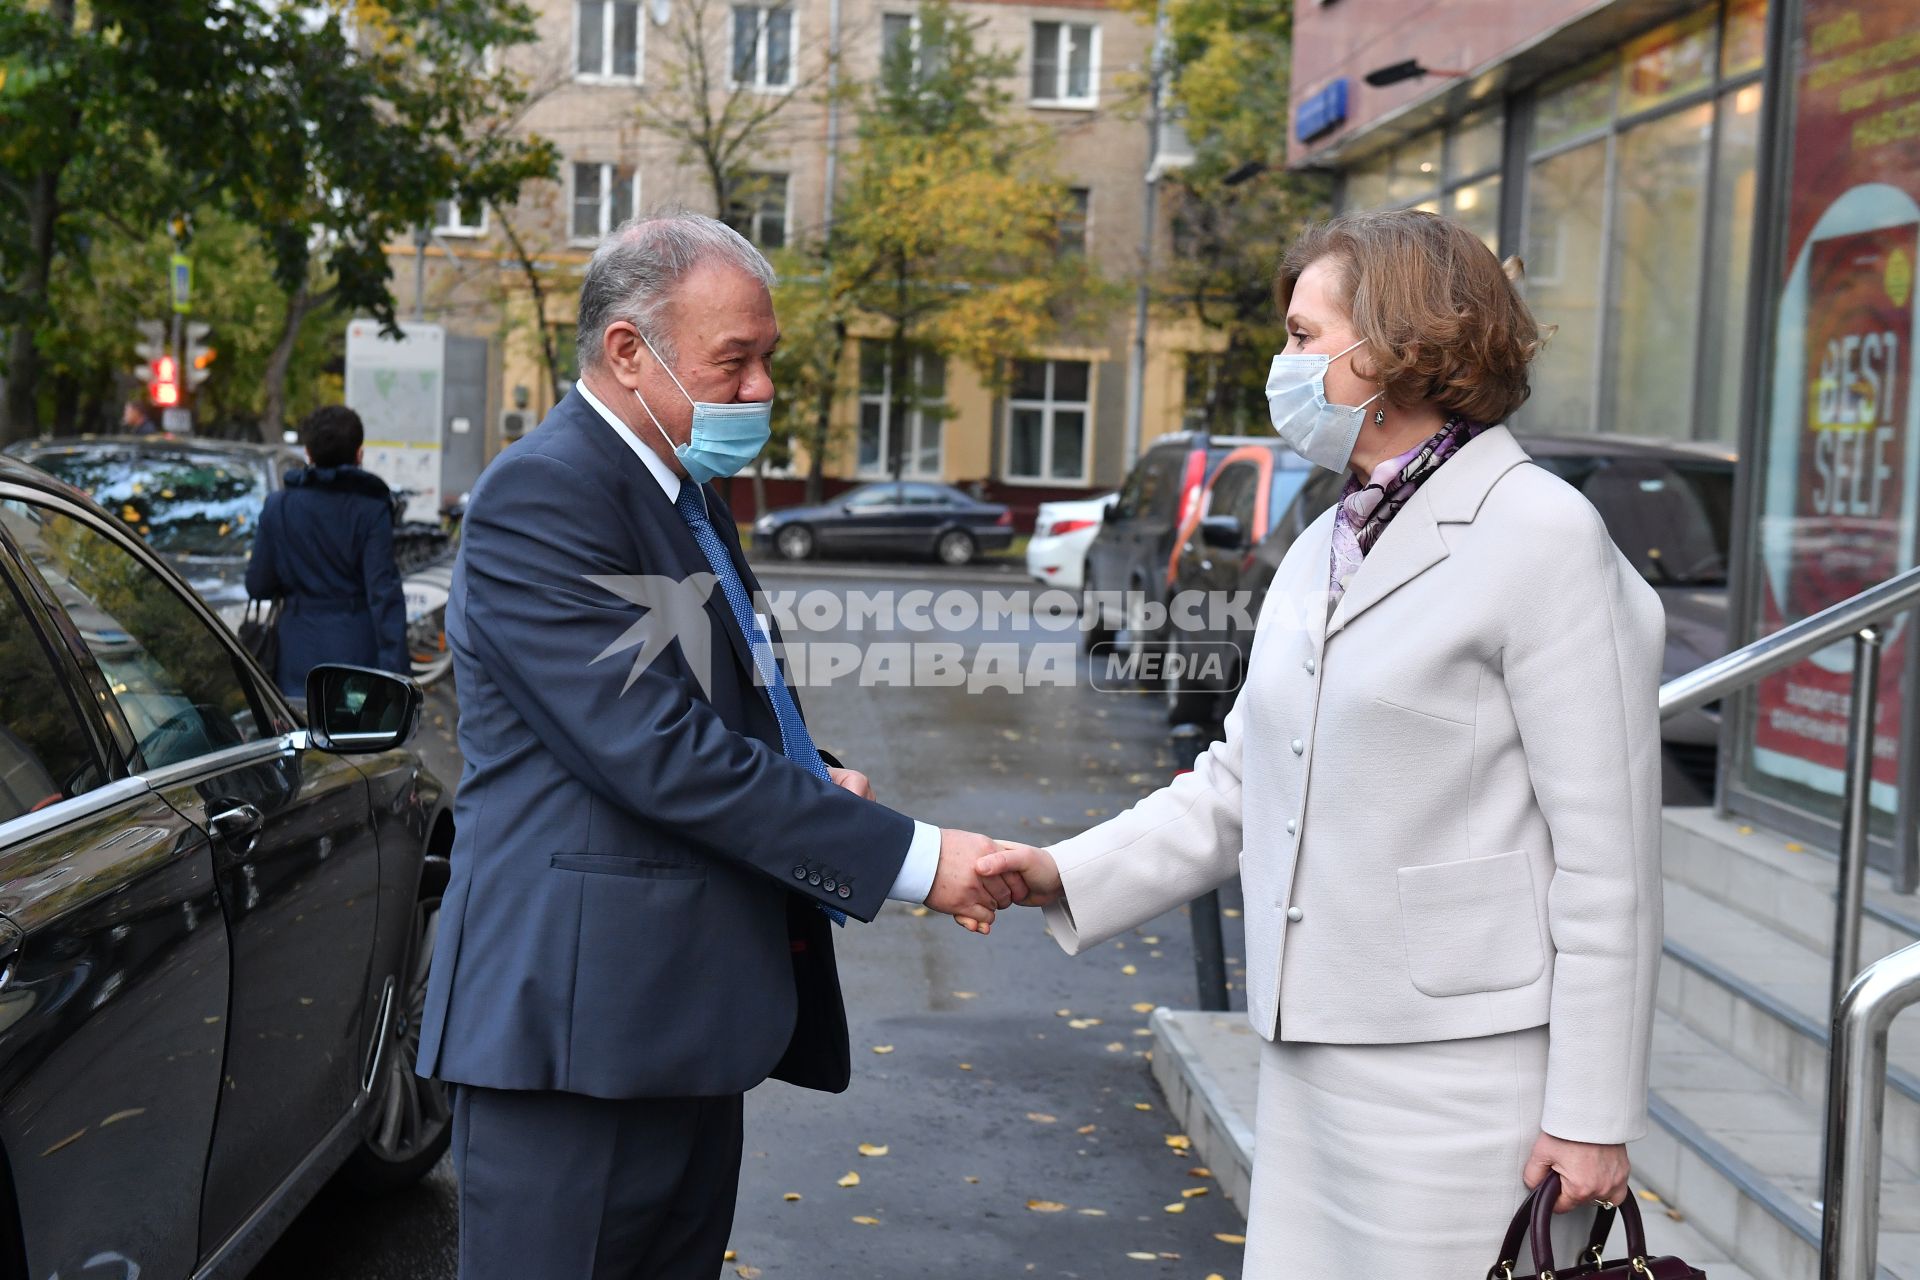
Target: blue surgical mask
{"x":1321,"y":433}
{"x":726,"y":438}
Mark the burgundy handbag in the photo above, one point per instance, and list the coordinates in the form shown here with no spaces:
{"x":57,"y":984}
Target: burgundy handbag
{"x":1537,"y":1213}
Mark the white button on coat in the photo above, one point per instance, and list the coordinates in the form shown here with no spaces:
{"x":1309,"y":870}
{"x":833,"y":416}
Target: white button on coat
{"x":1298,"y":746}
{"x":1295,"y":914}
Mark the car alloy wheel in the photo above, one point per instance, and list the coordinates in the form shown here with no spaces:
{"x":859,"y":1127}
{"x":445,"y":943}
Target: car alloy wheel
{"x":795,"y":542}
{"x":412,"y":1118}
{"x":955,"y":547}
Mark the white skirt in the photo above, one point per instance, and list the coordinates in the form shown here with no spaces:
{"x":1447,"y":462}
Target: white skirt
{"x":1396,"y":1160}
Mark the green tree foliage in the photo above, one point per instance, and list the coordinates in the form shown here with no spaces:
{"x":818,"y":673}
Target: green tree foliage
{"x":1229,"y":60}
{"x":327,"y":129}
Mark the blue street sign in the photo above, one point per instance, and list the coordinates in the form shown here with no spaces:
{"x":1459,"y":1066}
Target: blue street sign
{"x":1322,"y":111}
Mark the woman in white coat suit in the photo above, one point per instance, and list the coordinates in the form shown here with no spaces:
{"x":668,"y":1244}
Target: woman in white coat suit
{"x":1440,"y":787}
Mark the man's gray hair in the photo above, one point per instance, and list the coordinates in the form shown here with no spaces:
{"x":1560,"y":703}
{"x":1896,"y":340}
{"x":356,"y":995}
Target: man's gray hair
{"x":637,"y":268}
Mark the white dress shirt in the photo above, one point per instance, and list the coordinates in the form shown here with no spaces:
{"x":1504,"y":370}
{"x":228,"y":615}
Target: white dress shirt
{"x":915,"y":880}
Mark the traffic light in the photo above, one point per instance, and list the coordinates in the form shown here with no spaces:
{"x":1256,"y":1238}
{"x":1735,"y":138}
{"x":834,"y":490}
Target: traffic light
{"x":165,"y":383}
{"x":200,"y":356}
{"x":152,"y":345}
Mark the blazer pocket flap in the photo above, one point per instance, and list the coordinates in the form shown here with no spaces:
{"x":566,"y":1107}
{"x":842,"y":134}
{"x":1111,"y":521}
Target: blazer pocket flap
{"x":618,"y":864}
{"x":1471,"y":925}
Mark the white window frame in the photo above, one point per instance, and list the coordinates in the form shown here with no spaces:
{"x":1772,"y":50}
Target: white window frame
{"x":1060,"y":98}
{"x":753,"y":219}
{"x":608,"y":171}
{"x":913,"y":40}
{"x":606,"y":75}
{"x":1048,"y":407}
{"x":455,"y":223}
{"x":916,"y":423}
{"x":759,"y":82}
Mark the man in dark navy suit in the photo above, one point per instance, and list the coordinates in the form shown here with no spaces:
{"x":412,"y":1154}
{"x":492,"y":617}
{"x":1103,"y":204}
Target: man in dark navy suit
{"x":651,"y":852}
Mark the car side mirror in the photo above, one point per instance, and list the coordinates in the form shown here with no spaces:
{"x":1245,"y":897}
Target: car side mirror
{"x":1223,"y":532}
{"x":358,"y":710}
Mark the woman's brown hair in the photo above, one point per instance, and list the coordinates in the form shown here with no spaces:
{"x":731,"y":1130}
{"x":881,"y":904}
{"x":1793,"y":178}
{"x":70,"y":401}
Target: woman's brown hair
{"x":1440,"y":317}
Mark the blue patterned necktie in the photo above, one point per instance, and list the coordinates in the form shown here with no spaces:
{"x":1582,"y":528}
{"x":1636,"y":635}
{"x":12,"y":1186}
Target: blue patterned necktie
{"x":794,"y":738}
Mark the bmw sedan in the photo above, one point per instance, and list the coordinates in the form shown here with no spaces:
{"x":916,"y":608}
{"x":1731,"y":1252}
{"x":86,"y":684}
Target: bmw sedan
{"x":908,"y":518}
{"x":216,"y":913}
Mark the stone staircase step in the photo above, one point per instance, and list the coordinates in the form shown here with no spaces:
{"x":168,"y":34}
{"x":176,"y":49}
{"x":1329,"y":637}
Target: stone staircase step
{"x":1739,"y":1156}
{"x":1762,"y":996}
{"x":1785,"y":884}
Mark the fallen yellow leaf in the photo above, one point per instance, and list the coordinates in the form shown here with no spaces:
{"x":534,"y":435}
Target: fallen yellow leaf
{"x":975,"y":1181}
{"x":966,"y":995}
{"x":1143,"y":1106}
{"x":1144,"y":1257}
{"x":728,"y":1256}
{"x":883,"y":1048}
{"x":1200,"y":1171}
{"x":871,"y":1149}
{"x":1092,"y":1213}
{"x":1215,"y":1275}
{"x":851,"y":1180}
{"x":1040,"y":1117}
{"x":1649,"y":1197}
{"x":747,"y":1273}
{"x":1228,"y":1238}
{"x":1191,"y":1192}
{"x":1116,"y":1047}
{"x":1045,"y":1206}
{"x":1063,"y":1013}
{"x":1150,"y":940}
{"x":1129,"y":970}
{"x":791,"y":1196}
{"x":1142,"y":1031}
{"x":1179,"y":1141}
{"x":1086,"y":1128}
{"x":1231,"y":913}
{"x":1179,"y":1206}
{"x":865,"y":1221}
{"x":966,"y":1066}
{"x":1145,"y":1006}
{"x":922,"y":911}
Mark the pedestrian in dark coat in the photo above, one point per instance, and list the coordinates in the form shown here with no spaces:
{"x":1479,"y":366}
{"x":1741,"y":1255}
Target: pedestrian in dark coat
{"x":325,"y":550}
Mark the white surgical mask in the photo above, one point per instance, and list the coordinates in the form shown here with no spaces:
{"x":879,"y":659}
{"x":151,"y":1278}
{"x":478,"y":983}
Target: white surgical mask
{"x":1321,"y":433}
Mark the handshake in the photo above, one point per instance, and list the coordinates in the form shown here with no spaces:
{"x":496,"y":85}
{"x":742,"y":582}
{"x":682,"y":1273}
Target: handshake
{"x":979,"y":876}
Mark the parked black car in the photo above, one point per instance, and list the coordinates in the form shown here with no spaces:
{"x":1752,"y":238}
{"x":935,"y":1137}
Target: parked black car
{"x":215,"y":916}
{"x":911,"y":517}
{"x":1669,"y":506}
{"x":197,"y":502}
{"x":1133,"y":551}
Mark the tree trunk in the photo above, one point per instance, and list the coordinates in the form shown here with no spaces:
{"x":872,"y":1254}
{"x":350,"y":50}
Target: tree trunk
{"x":273,"y":416}
{"x":43,"y":210}
{"x":531,"y":270}
{"x":823,"y":417}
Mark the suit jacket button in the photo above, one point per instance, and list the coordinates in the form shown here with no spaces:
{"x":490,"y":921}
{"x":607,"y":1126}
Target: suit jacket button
{"x":1295,"y":914}
{"x":799,"y":873}
{"x":1293,"y":825}
{"x":1298,"y":746}
{"x":814,"y":881}
{"x":829,"y":884}
{"x":846,"y":891}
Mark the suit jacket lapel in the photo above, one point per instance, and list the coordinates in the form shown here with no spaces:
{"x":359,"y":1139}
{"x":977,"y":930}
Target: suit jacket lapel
{"x":646,"y":495}
{"x":1413,"y":543}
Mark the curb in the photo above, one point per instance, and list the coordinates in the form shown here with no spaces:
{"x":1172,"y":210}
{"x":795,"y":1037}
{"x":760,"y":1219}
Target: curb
{"x":1221,"y":1138}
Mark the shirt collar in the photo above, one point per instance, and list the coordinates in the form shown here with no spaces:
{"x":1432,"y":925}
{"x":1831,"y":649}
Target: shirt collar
{"x":669,"y":482}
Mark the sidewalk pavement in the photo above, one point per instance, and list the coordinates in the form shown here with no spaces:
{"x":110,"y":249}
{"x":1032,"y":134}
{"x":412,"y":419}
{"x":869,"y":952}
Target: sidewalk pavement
{"x":1208,"y":1065}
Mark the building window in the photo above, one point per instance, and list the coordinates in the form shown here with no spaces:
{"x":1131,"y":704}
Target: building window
{"x":920,"y":444}
{"x":759,"y":209}
{"x":1047,"y":421}
{"x":901,"y":36}
{"x":762,"y":47}
{"x":1066,"y":64}
{"x":1638,"y":222}
{"x":607,"y":36}
{"x":458,"y":218}
{"x":1454,"y":170}
{"x":1224,"y":393}
{"x":604,"y":196}
{"x":1073,"y":223}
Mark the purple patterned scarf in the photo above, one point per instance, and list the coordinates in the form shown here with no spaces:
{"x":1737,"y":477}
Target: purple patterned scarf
{"x":1365,"y":511}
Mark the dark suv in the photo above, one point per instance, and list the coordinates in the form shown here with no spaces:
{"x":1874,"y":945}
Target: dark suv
{"x":1134,"y":549}
{"x":216,"y":912}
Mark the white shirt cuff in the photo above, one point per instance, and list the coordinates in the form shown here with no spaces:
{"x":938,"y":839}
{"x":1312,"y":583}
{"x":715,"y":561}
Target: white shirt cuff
{"x":915,"y":880}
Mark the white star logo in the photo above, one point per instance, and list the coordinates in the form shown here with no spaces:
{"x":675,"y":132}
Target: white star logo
{"x":676,"y":609}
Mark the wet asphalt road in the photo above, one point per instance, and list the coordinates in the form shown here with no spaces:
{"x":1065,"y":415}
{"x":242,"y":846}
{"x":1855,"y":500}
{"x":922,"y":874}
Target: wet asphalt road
{"x":1009,"y":1073}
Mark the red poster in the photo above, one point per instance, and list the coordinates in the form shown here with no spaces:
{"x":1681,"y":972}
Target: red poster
{"x":1838,"y":501}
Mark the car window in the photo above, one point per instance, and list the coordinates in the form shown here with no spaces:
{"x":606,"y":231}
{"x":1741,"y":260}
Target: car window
{"x":176,"y":682}
{"x":1671,"y":519}
{"x":1287,"y":484}
{"x":45,"y":753}
{"x":927,"y":495}
{"x":1128,"y":500}
{"x":1233,"y":493}
{"x":183,"y":502}
{"x":873,"y":495}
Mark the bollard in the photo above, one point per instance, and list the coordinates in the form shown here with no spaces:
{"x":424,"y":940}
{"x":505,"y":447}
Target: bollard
{"x":1209,"y":941}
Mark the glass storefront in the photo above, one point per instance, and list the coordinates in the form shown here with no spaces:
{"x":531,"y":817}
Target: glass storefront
{"x":1635,"y":211}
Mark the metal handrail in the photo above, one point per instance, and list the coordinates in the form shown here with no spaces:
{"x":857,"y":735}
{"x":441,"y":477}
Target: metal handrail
{"x":1862,"y":1006}
{"x":1856,"y":1112}
{"x":1744,"y":666}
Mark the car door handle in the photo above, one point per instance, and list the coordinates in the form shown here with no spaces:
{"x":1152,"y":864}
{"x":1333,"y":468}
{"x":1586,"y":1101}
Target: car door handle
{"x":239,"y":825}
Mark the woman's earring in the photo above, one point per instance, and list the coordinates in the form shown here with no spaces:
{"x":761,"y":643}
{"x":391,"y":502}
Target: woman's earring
{"x":1379,"y":416}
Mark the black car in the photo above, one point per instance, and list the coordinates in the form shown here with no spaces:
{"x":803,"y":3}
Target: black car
{"x":216,"y":913}
{"x":1668,"y":505}
{"x":1133,"y":552}
{"x":909,"y":517}
{"x":197,"y":501}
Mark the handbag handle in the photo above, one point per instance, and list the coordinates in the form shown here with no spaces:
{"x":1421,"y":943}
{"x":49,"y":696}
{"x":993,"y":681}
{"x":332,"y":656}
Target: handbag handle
{"x":1535,"y":1217}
